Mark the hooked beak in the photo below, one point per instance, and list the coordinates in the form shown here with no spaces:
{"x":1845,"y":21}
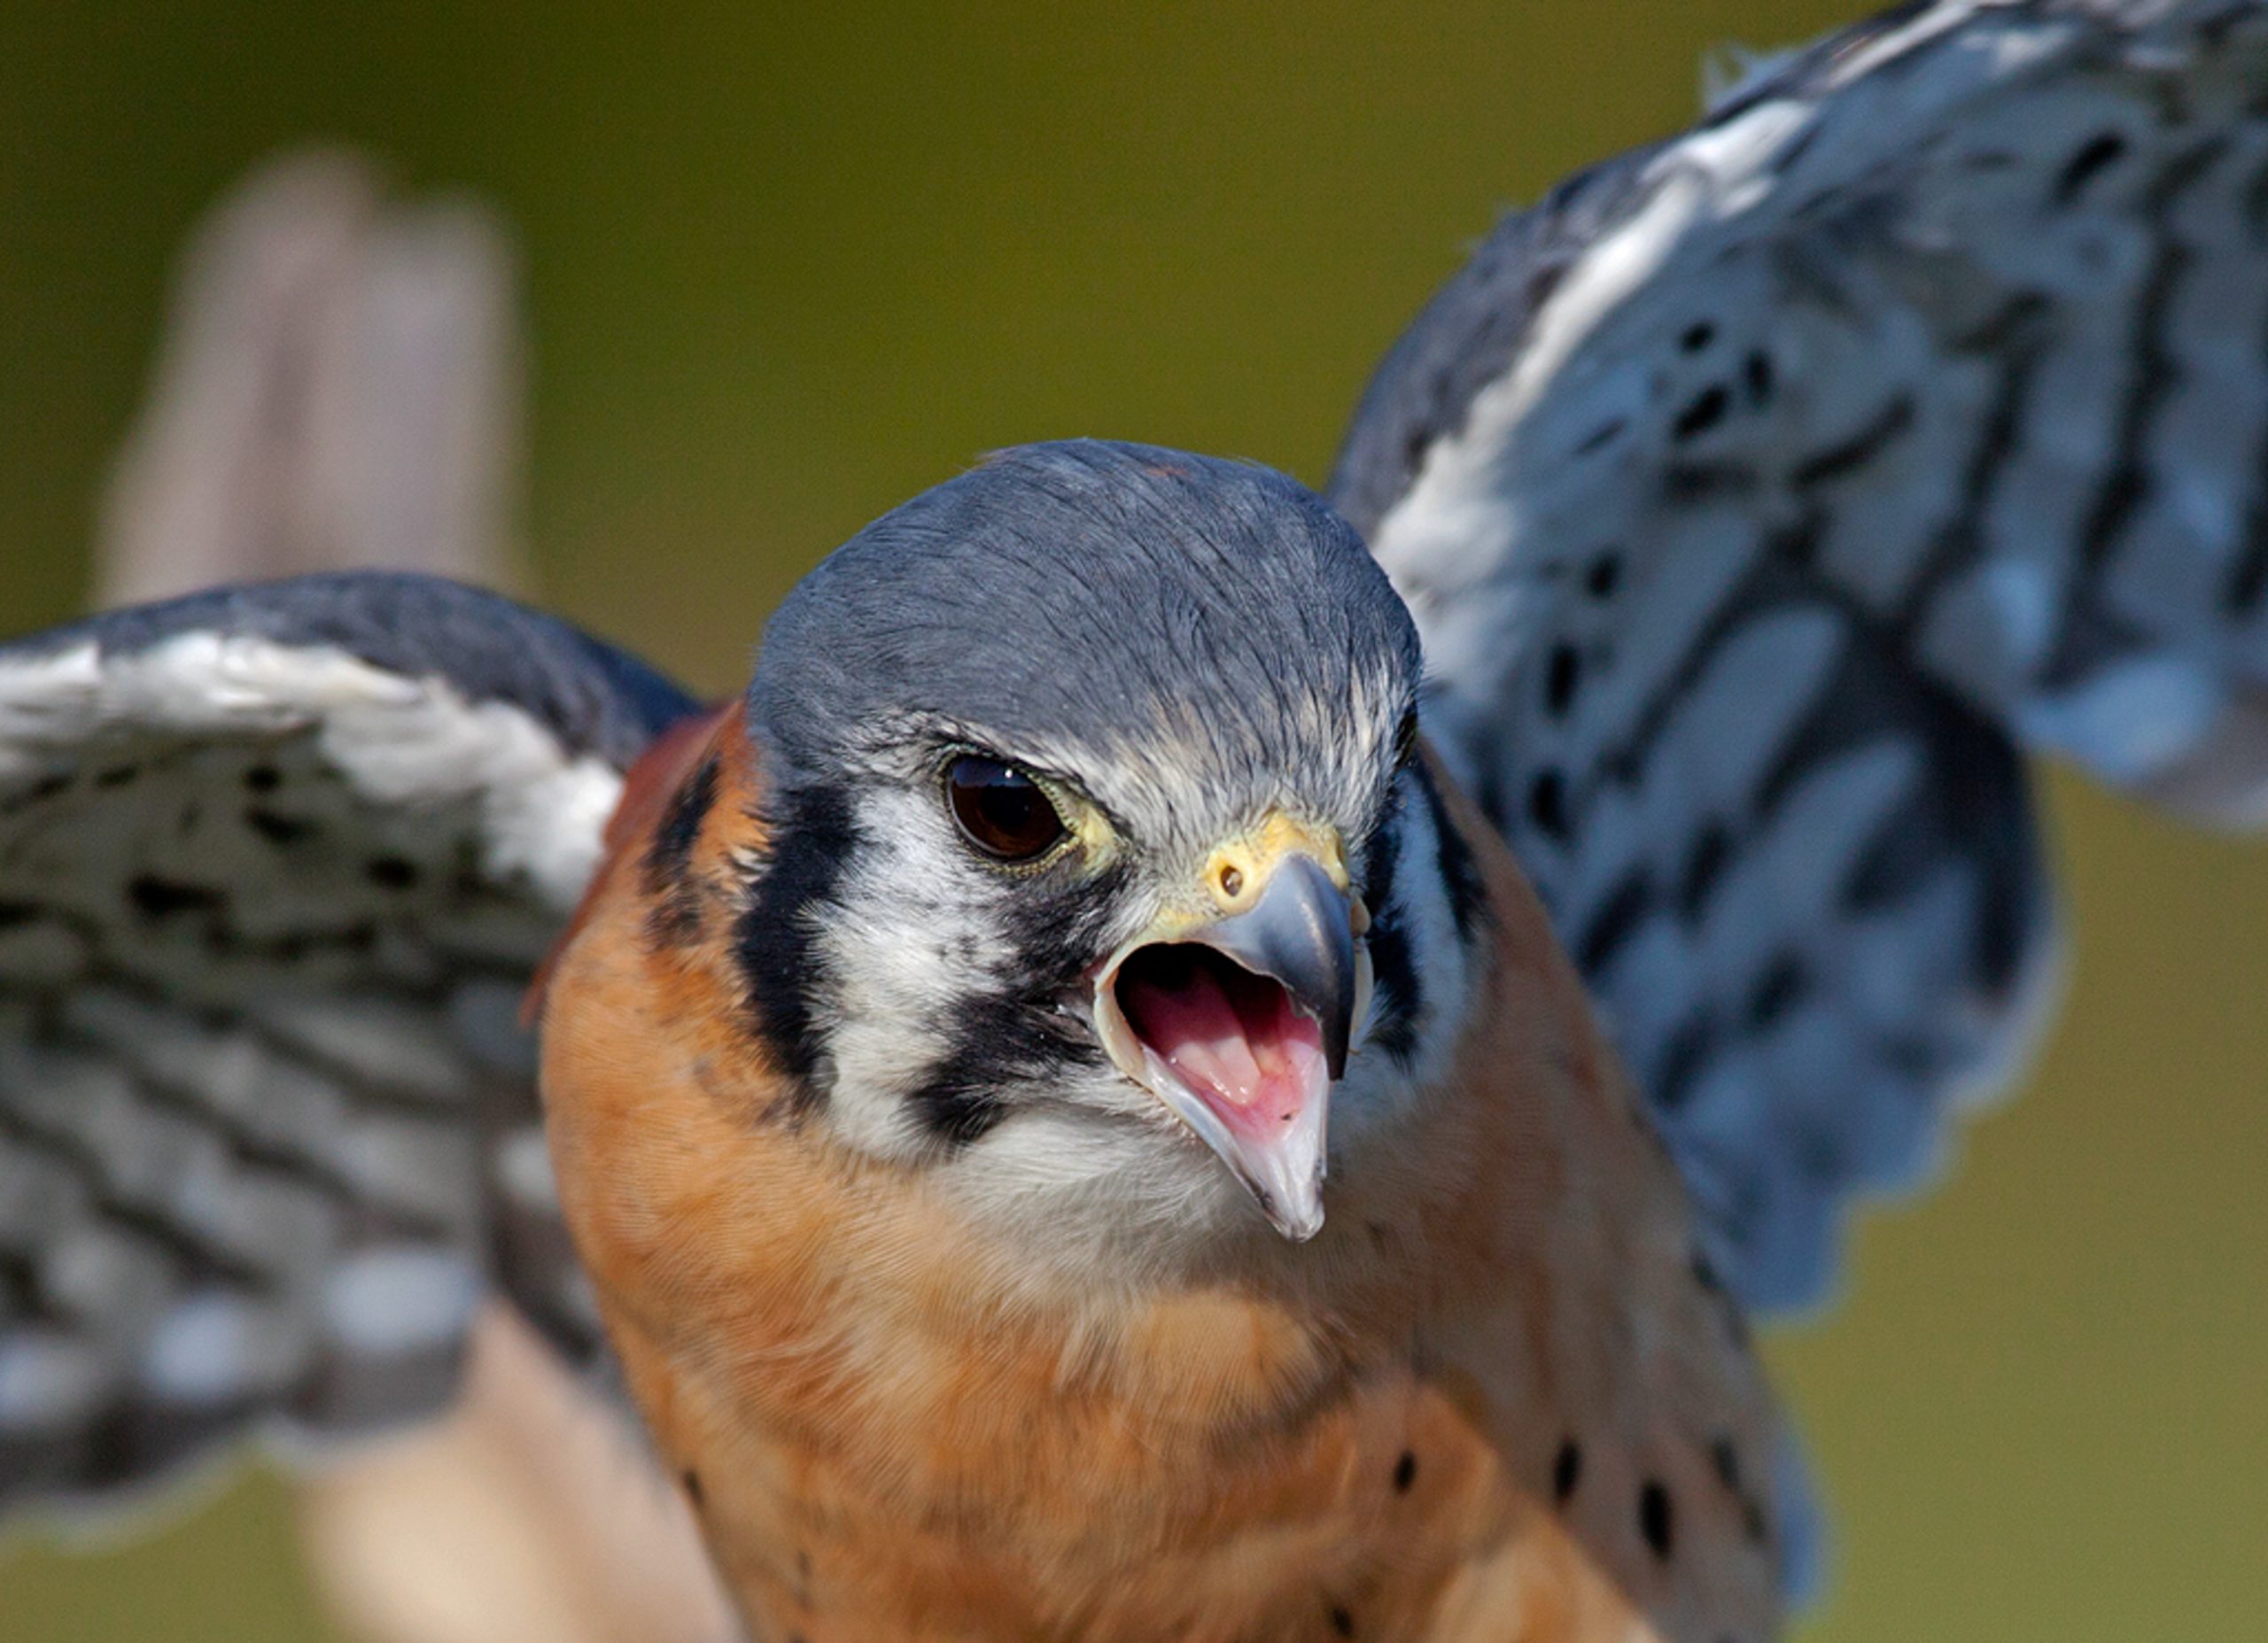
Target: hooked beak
{"x":1241,"y":1023}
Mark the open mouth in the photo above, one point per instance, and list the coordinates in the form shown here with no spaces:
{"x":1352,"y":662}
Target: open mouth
{"x":1233,"y":1039}
{"x":1234,"y":1056}
{"x":1239,"y":1024}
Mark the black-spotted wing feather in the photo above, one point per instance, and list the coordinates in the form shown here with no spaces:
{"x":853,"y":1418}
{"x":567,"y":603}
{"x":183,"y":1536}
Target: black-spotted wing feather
{"x":276,"y":864}
{"x":1765,"y":496}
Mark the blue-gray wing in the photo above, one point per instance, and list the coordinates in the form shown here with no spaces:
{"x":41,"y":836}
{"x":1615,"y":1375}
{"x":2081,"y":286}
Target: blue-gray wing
{"x":276,"y":864}
{"x":1763,"y":497}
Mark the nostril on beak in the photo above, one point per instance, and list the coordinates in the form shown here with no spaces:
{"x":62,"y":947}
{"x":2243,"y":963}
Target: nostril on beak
{"x":1300,"y":933}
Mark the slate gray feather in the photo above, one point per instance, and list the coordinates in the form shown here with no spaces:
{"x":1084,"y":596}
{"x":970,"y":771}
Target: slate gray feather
{"x":276,"y":865}
{"x":1763,"y":499}
{"x":1766,"y":496}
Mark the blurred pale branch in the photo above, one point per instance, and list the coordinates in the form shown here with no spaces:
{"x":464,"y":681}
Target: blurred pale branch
{"x":339,"y":386}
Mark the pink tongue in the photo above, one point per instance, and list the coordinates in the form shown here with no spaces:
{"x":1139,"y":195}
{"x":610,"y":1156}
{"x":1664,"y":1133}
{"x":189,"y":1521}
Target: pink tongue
{"x":1233,"y":1038}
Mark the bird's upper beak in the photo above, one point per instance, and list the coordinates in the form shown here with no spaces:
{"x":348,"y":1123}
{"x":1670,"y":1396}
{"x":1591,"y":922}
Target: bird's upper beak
{"x":1236,"y":1007}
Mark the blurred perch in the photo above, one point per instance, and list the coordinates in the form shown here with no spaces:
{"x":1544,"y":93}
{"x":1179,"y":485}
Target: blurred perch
{"x":532,"y":1514}
{"x":339,"y":385}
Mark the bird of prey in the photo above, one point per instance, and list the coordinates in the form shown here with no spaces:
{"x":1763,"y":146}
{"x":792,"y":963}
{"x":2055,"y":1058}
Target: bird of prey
{"x":1192,"y":1060}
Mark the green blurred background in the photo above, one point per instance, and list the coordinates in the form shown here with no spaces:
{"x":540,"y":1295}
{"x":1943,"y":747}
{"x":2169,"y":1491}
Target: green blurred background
{"x":784,"y":268}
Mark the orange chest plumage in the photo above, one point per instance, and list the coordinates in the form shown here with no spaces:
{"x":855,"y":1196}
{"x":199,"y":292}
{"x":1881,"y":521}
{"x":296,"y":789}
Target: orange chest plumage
{"x":1493,"y":1399}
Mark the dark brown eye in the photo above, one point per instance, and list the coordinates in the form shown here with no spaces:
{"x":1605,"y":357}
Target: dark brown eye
{"x":1001,"y":809}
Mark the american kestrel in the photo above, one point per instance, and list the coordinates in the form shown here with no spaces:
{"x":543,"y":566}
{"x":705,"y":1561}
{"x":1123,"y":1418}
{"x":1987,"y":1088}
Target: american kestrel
{"x":1191,"y":1059}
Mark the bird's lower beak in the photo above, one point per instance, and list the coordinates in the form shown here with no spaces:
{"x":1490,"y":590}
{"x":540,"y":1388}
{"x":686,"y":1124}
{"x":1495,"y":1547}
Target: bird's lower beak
{"x":1239,"y":1024}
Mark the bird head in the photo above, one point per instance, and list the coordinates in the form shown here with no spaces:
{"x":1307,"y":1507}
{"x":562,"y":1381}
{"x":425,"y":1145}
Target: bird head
{"x":1100,"y":862}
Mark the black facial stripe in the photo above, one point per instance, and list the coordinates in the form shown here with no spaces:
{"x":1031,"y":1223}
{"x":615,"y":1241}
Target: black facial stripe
{"x":1395,"y":995}
{"x":961,"y":1102}
{"x":813,"y":838}
{"x":1405,"y":740}
{"x":677,"y":912}
{"x":1384,"y":856}
{"x":1460,"y":873}
{"x":680,"y":825}
{"x":1001,"y":1044}
{"x":1395,"y":998}
{"x":1013,"y":1034}
{"x":1053,"y":935}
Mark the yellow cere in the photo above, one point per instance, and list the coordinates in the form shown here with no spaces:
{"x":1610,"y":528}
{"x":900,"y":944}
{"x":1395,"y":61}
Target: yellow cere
{"x":1239,"y":870}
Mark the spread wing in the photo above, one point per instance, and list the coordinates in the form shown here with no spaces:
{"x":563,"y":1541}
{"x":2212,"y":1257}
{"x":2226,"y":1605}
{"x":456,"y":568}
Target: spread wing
{"x":1764,"y":497}
{"x":276,"y":864}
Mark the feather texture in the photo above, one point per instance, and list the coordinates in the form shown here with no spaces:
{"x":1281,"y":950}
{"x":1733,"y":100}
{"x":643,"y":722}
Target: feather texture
{"x":275,"y":866}
{"x":1765,"y":496}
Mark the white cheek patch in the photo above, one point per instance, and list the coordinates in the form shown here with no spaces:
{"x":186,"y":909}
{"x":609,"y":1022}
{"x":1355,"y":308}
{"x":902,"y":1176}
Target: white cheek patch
{"x":905,"y":937}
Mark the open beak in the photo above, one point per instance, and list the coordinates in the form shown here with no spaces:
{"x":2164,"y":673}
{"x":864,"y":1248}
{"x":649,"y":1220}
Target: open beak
{"x":1239,"y":1022}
